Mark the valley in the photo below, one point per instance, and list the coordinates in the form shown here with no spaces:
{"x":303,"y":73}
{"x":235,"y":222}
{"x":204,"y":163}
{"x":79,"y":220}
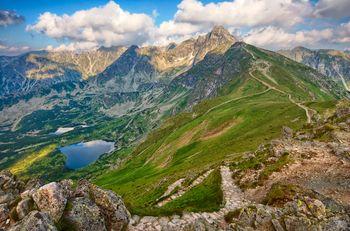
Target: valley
{"x":187,"y":132}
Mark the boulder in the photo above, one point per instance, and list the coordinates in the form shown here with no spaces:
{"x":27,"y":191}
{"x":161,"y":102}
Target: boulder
{"x":293,"y":223}
{"x":35,"y":221}
{"x":83,"y":214}
{"x":316,"y":207}
{"x":4,"y":212}
{"x":51,"y":198}
{"x":82,"y":189}
{"x":24,"y":207}
{"x":6,"y":198}
{"x":112,"y":206}
{"x":287,"y":132}
{"x":66,"y":186}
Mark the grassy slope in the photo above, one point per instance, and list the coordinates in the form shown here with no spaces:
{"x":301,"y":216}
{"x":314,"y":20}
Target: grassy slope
{"x":217,"y":130}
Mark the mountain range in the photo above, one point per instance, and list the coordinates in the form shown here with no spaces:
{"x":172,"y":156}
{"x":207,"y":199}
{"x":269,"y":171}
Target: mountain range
{"x":181,"y":116}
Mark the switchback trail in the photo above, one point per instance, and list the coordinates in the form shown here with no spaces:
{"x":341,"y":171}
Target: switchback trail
{"x":308,"y":111}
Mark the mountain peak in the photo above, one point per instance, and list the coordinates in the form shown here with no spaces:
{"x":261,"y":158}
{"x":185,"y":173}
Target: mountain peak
{"x":219,"y":30}
{"x":221,"y":33}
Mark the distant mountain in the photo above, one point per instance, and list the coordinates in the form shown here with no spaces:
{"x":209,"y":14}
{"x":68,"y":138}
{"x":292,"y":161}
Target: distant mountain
{"x":32,"y":72}
{"x":137,"y":66}
{"x":333,"y":63}
{"x":88,"y":63}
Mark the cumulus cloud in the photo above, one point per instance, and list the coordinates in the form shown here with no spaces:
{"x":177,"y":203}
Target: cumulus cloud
{"x":193,"y":17}
{"x":9,"y":17}
{"x":106,"y":25}
{"x":13,"y":50}
{"x":271,"y":24}
{"x":239,"y":13}
{"x":332,"y":8}
{"x":74,"y":46}
{"x":277,"y":38}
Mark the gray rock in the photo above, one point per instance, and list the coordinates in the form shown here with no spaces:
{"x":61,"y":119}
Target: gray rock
{"x":35,"y":221}
{"x":51,"y":198}
{"x":83,"y":214}
{"x":24,"y":207}
{"x":276,"y":224}
{"x":287,"y":132}
{"x":66,"y":186}
{"x":112,"y":206}
{"x":6,"y":198}
{"x":293,"y":223}
{"x":4,"y":212}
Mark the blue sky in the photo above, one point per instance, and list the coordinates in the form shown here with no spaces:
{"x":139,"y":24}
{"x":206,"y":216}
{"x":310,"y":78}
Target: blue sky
{"x":274,"y":24}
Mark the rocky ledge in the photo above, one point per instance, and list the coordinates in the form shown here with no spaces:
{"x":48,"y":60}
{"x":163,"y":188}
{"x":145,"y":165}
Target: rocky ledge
{"x":58,"y":206}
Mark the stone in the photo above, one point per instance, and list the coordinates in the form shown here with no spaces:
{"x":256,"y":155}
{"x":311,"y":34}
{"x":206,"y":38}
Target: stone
{"x":116,"y":215}
{"x":35,"y":221}
{"x":33,"y":184}
{"x":6,"y":198}
{"x":4,"y":212}
{"x":293,"y":223}
{"x":82,"y":189}
{"x":24,"y":207}
{"x":287,"y":132}
{"x":83,"y":214}
{"x":276,"y":224}
{"x":50,"y":198}
{"x":316,"y":207}
{"x":66,"y":186}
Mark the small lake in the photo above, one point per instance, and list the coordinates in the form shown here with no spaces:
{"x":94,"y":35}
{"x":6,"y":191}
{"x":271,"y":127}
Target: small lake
{"x":81,"y":154}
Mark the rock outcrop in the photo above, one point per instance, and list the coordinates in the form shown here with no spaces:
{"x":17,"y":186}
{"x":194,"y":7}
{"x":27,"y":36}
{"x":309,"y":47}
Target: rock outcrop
{"x":57,"y":206}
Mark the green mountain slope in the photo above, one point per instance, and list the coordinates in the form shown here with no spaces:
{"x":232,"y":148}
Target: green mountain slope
{"x":253,"y":94}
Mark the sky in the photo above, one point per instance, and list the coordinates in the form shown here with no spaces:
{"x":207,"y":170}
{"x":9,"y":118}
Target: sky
{"x":82,"y":25}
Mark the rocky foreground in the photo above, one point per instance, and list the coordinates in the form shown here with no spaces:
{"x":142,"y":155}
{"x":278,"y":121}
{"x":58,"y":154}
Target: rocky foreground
{"x":58,"y":206}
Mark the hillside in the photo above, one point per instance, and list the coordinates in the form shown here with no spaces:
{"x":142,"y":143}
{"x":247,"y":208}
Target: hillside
{"x":254,"y":94}
{"x":282,"y":185}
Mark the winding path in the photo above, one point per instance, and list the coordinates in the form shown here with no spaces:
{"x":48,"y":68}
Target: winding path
{"x":233,"y":199}
{"x":308,"y":111}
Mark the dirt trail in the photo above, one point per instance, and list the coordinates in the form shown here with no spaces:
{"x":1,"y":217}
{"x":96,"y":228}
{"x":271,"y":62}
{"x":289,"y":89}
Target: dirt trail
{"x":308,"y":111}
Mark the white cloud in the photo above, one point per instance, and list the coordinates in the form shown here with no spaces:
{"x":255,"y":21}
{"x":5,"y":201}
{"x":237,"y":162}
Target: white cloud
{"x":343,"y":33}
{"x":243,"y":12}
{"x":332,"y":8}
{"x":271,"y":24}
{"x":193,"y":17}
{"x":74,"y":46}
{"x":106,"y":25}
{"x":277,"y":38}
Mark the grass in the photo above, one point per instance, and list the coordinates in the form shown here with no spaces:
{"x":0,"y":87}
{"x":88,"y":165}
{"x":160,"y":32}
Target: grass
{"x":161,"y":160}
{"x":281,"y":193}
{"x":23,"y":164}
{"x":206,"y":196}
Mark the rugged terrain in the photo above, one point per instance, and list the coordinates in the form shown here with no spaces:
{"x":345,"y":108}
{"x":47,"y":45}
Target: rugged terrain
{"x":197,"y":128}
{"x":333,"y":63}
{"x":282,"y":185}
